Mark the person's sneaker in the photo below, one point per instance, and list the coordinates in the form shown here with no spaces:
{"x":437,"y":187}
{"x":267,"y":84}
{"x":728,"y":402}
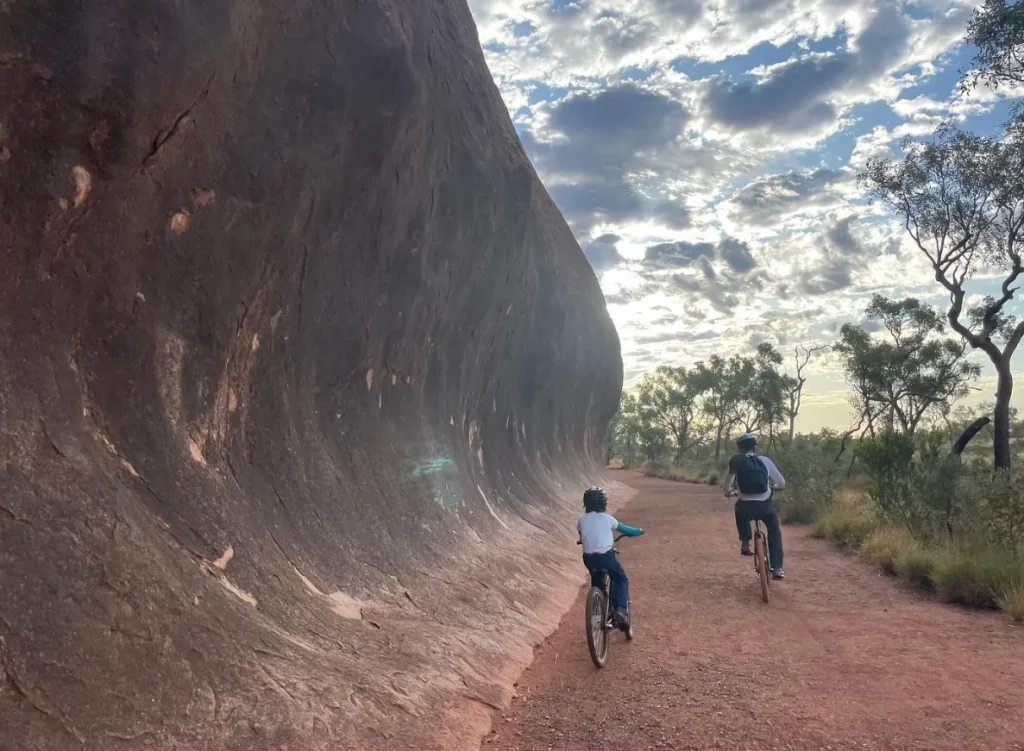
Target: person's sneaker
{"x":777,"y":573}
{"x":620,"y":619}
{"x":745,"y":549}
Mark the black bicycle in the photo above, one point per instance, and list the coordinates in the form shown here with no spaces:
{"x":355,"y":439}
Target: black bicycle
{"x":599,"y":617}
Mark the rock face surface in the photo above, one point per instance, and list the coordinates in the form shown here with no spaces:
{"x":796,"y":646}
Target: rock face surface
{"x":301,"y":372}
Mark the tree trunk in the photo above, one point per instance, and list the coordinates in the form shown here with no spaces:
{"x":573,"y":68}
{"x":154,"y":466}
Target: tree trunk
{"x":969,"y":432}
{"x":1001,"y":418}
{"x":682,"y":441}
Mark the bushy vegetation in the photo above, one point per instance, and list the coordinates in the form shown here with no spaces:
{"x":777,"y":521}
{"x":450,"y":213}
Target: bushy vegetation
{"x":812,"y":476}
{"x":693,"y":474}
{"x":1011,"y":601}
{"x":918,"y":565}
{"x":888,"y":548}
{"x":949,"y":527}
{"x":849,"y":522}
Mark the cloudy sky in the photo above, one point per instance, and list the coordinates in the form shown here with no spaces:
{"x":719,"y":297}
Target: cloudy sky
{"x":705,"y":156}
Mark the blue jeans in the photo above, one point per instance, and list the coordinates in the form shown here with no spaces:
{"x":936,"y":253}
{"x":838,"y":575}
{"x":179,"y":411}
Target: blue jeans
{"x":746,"y":512}
{"x":597,"y":562}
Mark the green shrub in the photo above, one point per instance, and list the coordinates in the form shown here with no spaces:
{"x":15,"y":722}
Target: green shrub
{"x":812,"y":477}
{"x":887,"y":462}
{"x":917,"y":484}
{"x":698,"y":470}
{"x":885,"y":546}
{"x":994,"y":508}
{"x":918,"y":566}
{"x":976,"y":579}
{"x":822,"y":528}
{"x":657,"y":469}
{"x":1011,"y":601}
{"x":713,"y":478}
{"x":846,"y":524}
{"x":798,"y":513}
{"x":950,"y":528}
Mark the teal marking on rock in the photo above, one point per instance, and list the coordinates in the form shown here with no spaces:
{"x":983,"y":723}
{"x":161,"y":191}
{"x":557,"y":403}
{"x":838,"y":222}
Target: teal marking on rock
{"x":432,"y":467}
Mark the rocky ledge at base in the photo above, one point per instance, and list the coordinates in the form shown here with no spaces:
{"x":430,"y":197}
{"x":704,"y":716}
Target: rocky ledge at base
{"x":301,"y":373}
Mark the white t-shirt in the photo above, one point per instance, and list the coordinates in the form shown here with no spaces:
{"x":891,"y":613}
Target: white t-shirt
{"x":597,"y":532}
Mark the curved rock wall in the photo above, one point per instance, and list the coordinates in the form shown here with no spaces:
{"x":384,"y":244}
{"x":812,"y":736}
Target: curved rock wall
{"x":300,"y":374}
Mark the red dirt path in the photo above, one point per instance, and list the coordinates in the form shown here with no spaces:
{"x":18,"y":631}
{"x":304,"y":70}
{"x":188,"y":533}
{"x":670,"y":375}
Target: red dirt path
{"x":857,"y":660}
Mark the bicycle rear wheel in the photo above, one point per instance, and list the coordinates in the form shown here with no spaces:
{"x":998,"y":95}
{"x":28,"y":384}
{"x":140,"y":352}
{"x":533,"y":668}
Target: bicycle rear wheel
{"x":597,"y":634}
{"x":761,"y":563}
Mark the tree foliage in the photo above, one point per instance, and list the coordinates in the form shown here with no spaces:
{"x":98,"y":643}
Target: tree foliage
{"x":997,"y":31}
{"x":961,"y":199}
{"x":667,"y":398}
{"x":690,"y":409}
{"x":907,"y":373}
{"x":902,"y":375}
{"x":633,"y":436}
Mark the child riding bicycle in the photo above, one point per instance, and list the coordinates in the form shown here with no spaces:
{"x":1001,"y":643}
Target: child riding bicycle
{"x":755,"y":478}
{"x":596,"y":529}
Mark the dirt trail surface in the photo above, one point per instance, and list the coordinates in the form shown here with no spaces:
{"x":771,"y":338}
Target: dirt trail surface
{"x":840,"y":659}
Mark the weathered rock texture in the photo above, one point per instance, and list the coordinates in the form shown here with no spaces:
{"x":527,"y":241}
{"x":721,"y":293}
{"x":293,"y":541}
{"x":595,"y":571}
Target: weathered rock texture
{"x":301,"y":371}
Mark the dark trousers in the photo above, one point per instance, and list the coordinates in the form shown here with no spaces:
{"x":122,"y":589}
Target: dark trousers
{"x":597,"y":562}
{"x":748,"y":511}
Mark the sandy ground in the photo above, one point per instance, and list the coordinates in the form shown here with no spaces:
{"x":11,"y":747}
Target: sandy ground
{"x":841,"y":658}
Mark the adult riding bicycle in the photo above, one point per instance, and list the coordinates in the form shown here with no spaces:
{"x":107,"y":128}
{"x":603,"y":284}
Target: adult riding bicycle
{"x":756,"y":479}
{"x":761,"y":565}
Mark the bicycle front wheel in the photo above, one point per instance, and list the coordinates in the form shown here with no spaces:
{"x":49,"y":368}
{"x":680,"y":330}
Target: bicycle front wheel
{"x":597,"y":634}
{"x":761,"y":563}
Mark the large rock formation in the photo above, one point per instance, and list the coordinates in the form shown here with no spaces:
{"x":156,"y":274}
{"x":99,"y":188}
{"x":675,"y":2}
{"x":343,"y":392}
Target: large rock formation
{"x":301,"y":371}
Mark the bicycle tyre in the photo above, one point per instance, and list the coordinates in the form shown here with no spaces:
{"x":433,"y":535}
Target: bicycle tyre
{"x":760,"y":563}
{"x":629,"y":629}
{"x":597,"y":634}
